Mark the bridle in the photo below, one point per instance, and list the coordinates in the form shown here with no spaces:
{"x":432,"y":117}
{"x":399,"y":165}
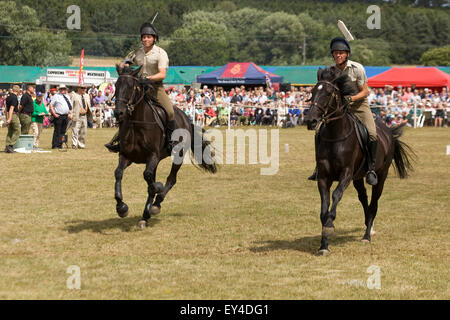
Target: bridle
{"x":329,"y":117}
{"x":340,"y":108}
{"x":129,"y":103}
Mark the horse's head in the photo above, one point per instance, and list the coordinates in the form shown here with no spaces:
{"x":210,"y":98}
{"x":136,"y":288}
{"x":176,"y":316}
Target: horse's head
{"x":327,"y":95}
{"x":130,"y":90}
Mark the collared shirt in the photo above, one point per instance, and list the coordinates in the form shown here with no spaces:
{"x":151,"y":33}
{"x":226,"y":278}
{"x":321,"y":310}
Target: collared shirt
{"x":151,"y":61}
{"x":357,"y":74}
{"x":59,"y":103}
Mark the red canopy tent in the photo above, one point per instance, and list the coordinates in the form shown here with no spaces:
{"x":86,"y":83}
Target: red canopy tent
{"x":421,"y":77}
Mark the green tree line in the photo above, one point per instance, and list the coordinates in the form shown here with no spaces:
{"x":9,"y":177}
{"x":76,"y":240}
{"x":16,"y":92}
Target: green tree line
{"x":212,"y":32}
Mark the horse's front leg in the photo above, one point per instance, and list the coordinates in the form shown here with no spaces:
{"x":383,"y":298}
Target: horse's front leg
{"x":121,"y":207}
{"x":324,"y":185}
{"x":149,"y":176}
{"x":344,"y":181}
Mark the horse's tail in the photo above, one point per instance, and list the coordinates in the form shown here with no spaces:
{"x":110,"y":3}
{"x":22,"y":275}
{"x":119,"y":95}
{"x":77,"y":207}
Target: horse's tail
{"x":403,"y":154}
{"x":205,"y":160}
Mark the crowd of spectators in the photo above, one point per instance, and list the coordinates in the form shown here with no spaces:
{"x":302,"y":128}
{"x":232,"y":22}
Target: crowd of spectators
{"x":396,"y":105}
{"x":102,"y":104}
{"x":259,"y":106}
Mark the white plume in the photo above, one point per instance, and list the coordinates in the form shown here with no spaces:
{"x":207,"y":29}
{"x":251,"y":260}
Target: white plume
{"x":348,"y":36}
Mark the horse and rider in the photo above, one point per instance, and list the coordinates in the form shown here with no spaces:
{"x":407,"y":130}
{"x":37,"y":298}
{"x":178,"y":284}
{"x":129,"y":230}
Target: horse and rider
{"x":358,"y":103}
{"x":154,"y":62}
{"x":147,"y":123}
{"x":346,"y":151}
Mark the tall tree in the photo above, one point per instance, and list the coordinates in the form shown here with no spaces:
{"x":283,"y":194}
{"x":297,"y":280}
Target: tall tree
{"x":24,"y":42}
{"x":203,"y":43}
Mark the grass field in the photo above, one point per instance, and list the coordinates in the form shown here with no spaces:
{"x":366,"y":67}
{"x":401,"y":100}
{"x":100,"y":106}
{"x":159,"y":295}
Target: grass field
{"x":233,"y":235}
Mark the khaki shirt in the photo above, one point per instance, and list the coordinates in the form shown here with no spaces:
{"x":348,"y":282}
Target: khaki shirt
{"x":357,"y":74}
{"x":151,"y":61}
{"x":77,"y":106}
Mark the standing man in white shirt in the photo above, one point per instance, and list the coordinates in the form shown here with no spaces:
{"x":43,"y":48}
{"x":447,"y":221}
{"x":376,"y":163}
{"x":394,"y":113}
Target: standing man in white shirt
{"x":61,"y":109}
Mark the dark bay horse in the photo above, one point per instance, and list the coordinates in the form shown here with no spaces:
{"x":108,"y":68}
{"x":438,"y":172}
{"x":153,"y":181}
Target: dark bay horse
{"x":339,"y":156}
{"x":142,"y":140}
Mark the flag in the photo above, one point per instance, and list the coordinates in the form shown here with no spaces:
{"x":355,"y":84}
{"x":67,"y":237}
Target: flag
{"x":80,"y":75}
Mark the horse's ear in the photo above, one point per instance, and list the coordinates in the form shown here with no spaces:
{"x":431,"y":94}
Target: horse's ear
{"x":319,"y":74}
{"x":119,"y":69}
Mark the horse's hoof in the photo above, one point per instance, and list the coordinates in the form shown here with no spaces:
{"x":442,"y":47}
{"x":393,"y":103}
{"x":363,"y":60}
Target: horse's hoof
{"x":365,"y":240}
{"x":142,"y":224}
{"x":159,"y":187}
{"x":323,"y":252}
{"x":122,"y":210}
{"x":327,"y":231}
{"x":155,"y":210}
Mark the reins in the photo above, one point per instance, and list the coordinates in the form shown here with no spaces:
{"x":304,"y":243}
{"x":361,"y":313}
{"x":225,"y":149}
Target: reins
{"x":129,"y":103}
{"x":328,"y":117}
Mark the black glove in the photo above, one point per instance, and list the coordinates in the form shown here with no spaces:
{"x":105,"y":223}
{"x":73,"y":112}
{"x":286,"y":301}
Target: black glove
{"x":348,"y":99}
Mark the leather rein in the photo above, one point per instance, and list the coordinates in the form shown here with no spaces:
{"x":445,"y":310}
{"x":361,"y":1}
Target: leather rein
{"x":129,"y":103}
{"x":331,"y":116}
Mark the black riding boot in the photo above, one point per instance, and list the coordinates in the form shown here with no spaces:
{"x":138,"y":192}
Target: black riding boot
{"x":315,"y":175}
{"x":169,"y":130}
{"x":371,"y":176}
{"x":114,"y":144}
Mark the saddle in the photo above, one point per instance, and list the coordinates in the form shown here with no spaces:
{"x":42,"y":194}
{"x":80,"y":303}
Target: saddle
{"x":363,"y":138}
{"x":158,"y":115}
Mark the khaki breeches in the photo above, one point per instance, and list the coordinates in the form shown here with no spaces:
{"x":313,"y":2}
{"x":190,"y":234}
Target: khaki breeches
{"x":364,"y":114}
{"x":164,"y":101}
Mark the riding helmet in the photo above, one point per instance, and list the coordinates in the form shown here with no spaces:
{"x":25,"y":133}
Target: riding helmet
{"x":340,"y":44}
{"x":148,"y":28}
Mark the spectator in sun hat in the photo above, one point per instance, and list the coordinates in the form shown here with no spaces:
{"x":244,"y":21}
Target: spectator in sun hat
{"x":81,"y":110}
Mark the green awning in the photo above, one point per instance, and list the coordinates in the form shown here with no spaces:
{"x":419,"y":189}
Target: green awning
{"x":20,"y":74}
{"x":445,"y":69}
{"x":296,"y":75}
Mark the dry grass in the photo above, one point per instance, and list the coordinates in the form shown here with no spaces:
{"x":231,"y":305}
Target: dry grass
{"x":233,"y":235}
{"x":93,"y":61}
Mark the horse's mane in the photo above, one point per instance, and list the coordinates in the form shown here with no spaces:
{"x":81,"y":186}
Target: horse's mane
{"x":342,"y":80}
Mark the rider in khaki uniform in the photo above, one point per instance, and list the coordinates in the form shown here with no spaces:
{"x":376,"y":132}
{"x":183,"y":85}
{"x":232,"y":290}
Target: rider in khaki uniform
{"x":357,"y":104}
{"x":154,"y":62}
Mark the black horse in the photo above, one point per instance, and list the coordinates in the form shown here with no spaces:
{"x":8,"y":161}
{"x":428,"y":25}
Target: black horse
{"x":141,"y":131}
{"x":340,"y":156}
